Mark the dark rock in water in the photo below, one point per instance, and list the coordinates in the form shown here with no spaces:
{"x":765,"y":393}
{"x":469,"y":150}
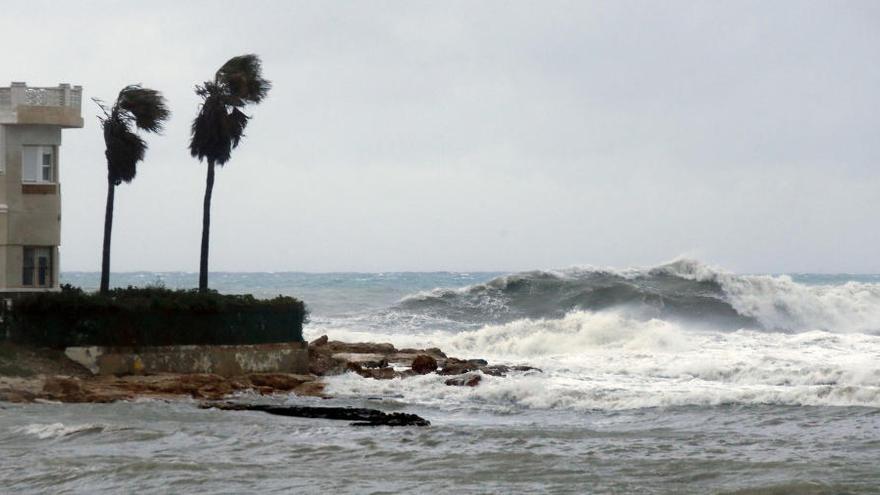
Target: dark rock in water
{"x":278,"y":381}
{"x":365,"y":360}
{"x":455,"y":366}
{"x":424,"y":364}
{"x":376,"y":373}
{"x":360,"y":416}
{"x":323,"y":363}
{"x":434,"y":352}
{"x":468,"y":380}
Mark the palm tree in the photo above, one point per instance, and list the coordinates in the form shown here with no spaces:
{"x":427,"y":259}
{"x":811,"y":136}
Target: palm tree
{"x":145,"y":109}
{"x":219,"y":127}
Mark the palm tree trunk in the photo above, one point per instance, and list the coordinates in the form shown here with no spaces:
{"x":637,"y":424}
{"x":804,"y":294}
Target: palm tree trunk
{"x":206,"y":227}
{"x":108,"y":228}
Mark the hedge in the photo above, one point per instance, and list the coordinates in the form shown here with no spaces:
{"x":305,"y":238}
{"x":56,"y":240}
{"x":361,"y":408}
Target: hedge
{"x":134,"y":317}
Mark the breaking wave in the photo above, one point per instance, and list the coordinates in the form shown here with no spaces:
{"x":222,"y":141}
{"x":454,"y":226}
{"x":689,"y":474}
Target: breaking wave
{"x":59,"y":430}
{"x":682,"y":291}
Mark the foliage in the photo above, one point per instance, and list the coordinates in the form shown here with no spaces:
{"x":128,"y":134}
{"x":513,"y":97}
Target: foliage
{"x":153,"y":316}
{"x":74,"y":300}
{"x":220,"y":124}
{"x":136,"y":106}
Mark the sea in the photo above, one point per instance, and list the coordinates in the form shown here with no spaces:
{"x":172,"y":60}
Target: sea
{"x":674,"y":379}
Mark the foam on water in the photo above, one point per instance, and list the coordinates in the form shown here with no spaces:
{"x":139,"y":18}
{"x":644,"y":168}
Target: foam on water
{"x":779,"y":302}
{"x":58,"y":430}
{"x":617,"y":339}
{"x":608,"y":360}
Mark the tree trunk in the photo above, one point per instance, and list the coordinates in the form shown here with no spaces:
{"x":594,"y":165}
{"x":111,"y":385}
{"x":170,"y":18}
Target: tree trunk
{"x":108,"y":228}
{"x":206,"y":227}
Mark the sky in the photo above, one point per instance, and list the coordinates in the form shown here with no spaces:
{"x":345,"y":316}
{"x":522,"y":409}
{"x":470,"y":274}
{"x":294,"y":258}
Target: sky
{"x":466,"y":136}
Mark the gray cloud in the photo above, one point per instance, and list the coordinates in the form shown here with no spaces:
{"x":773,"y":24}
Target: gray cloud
{"x":483,"y":135}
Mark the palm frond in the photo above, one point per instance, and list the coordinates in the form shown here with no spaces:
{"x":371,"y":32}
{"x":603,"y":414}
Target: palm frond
{"x":124,"y":149}
{"x":242,"y":77}
{"x":147,"y":106}
{"x":216,"y":131}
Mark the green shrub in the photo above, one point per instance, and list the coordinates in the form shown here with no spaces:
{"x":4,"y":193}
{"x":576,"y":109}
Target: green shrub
{"x":153,"y":316}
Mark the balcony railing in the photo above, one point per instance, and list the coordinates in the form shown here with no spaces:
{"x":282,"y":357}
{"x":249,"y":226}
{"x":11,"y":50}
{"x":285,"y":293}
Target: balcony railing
{"x":18,"y":93}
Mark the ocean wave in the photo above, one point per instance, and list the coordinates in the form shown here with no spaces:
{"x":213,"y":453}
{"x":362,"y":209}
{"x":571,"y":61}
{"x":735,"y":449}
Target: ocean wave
{"x":682,"y":291}
{"x":59,"y":430}
{"x":609,"y":360}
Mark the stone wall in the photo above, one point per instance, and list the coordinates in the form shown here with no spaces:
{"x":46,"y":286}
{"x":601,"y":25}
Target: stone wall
{"x":225,"y":360}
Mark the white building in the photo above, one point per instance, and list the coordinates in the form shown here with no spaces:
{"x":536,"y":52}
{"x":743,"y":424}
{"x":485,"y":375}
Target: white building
{"x":31,"y":120}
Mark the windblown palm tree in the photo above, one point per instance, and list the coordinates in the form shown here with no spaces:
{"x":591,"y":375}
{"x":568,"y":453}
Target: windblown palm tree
{"x":219,"y":127}
{"x":145,"y":109}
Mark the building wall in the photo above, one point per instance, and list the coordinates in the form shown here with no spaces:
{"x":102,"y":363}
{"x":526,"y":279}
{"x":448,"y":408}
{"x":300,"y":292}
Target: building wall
{"x":33,"y":212}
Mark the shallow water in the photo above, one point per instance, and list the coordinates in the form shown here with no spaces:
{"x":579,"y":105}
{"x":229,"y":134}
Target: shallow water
{"x":676,"y":379}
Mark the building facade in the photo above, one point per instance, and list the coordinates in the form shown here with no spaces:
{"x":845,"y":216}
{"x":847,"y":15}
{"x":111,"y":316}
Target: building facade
{"x":31,"y":120}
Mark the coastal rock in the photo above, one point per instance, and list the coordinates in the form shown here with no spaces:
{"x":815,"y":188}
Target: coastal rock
{"x":322,"y":340}
{"x":63,"y":389}
{"x":434,"y":352}
{"x":382,"y":373}
{"x":363,"y":359}
{"x":424,"y":364}
{"x":467,"y":380}
{"x":454,"y":366}
{"x":322,"y":363}
{"x":361,"y":347}
{"x":311,"y":389}
{"x":360,"y":416}
{"x":385,"y":373}
{"x":282,"y":382}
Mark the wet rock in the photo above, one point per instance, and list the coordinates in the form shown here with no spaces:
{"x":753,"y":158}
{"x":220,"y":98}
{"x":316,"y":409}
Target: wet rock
{"x":279,"y":381}
{"x":361,"y":347}
{"x":323,"y":363}
{"x":365,"y":360}
{"x":360,"y":416}
{"x":454,"y":366}
{"x":424,"y":364}
{"x":383,"y":373}
{"x":63,"y":389}
{"x":214,"y":391}
{"x":17,"y":396}
{"x":311,"y":389}
{"x":434,"y":352}
{"x":467,"y":380}
{"x":376,"y":373}
{"x":402,"y":358}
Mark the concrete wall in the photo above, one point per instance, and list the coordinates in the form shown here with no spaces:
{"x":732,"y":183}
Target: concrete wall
{"x":32,"y":214}
{"x":225,"y":360}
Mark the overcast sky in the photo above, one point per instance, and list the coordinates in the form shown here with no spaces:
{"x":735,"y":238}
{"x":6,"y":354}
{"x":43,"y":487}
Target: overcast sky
{"x":480,"y":135}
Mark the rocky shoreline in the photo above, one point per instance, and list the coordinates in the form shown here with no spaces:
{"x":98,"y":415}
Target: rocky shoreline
{"x":49,"y":376}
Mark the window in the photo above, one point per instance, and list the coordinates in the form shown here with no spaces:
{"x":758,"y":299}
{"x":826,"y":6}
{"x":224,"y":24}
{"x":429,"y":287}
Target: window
{"x":38,"y":164}
{"x":37,"y":267}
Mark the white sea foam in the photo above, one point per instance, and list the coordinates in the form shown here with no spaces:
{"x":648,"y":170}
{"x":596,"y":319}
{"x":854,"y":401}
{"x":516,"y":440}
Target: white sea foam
{"x":608,"y":361}
{"x":58,"y":430}
{"x":779,"y":302}
{"x":826,"y":350}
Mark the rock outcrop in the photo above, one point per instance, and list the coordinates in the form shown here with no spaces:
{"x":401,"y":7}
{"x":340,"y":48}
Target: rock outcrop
{"x":162,"y":386}
{"x":64,"y":382}
{"x":466,"y":380}
{"x":359,"y":416}
{"x":383,"y":361}
{"x":424,"y":364}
